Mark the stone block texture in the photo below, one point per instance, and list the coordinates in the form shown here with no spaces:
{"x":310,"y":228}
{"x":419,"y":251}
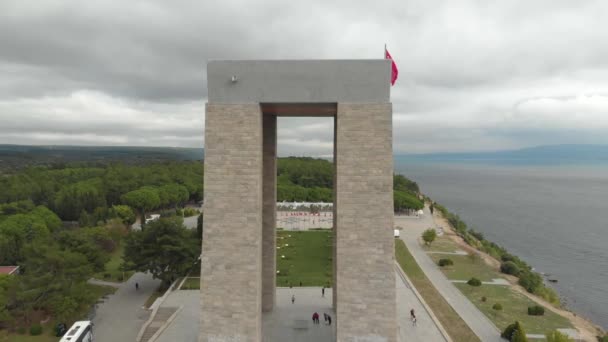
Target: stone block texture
{"x":269,"y":216}
{"x":231,"y":267}
{"x":365,"y":283}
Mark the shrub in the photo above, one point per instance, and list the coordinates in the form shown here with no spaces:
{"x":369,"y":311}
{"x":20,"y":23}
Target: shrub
{"x":509,"y":267}
{"x":536,"y":310}
{"x":603,"y":339}
{"x":530,"y":281}
{"x":445,"y":262}
{"x":514,"y":333}
{"x":190,"y":212}
{"x":429,"y":236}
{"x":476,"y":234}
{"x":474,"y":282}
{"x":556,"y":336}
{"x":484,"y":299}
{"x":107,"y":275}
{"x":36,"y":330}
{"x":497,"y":306}
{"x":508,"y":332}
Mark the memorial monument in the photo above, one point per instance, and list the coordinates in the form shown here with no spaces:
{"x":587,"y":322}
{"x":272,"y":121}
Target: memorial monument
{"x":238,"y":268}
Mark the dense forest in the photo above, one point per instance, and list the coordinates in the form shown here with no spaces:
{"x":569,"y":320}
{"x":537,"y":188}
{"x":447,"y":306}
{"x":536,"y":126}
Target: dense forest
{"x":62,"y":223}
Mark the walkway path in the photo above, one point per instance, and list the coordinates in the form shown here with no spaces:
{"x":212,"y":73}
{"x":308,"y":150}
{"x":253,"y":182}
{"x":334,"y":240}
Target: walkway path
{"x":425,"y":329}
{"x":121,"y":316}
{"x":475,"y":319}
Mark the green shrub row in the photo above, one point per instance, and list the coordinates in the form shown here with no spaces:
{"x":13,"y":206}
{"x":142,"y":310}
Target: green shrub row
{"x":445,"y":262}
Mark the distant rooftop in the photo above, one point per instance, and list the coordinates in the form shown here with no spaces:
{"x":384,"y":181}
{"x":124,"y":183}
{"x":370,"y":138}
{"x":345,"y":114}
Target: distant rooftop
{"x":8,"y":269}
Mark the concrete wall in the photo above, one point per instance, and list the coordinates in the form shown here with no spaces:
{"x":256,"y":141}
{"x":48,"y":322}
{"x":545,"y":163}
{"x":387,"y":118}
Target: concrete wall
{"x":308,"y":81}
{"x":231,"y":266}
{"x":365,"y":282}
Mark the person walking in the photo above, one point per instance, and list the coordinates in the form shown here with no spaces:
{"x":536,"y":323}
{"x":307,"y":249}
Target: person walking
{"x":315,"y":318}
{"x":329,"y":319}
{"x":325,"y":317}
{"x":412,"y":314}
{"x":293,"y":298}
{"x":136,"y":286}
{"x":323,"y":291}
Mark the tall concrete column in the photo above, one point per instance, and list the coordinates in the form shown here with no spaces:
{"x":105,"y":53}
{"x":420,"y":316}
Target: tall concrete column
{"x":335,"y":220}
{"x":269,"y":215}
{"x":366,"y":309}
{"x":231,"y":266}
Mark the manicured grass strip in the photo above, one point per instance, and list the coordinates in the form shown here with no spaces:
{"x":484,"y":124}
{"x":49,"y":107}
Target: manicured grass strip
{"x":442,"y":244}
{"x":191,"y":284}
{"x":514,"y":308}
{"x":451,"y":321}
{"x":467,"y":266}
{"x":307,"y":258}
{"x":158,"y":293}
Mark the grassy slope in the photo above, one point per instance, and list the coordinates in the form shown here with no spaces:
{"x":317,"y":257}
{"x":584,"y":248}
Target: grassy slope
{"x":451,"y":321}
{"x":515,"y":305}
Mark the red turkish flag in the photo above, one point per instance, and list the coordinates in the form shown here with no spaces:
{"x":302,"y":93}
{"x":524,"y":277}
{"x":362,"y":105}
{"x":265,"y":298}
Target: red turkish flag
{"x":394,"y":70}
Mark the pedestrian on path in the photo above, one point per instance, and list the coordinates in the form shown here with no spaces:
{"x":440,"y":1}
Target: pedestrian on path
{"x":329,"y":319}
{"x":323,"y":291}
{"x":136,"y":286}
{"x":325,"y":317}
{"x":412,"y":314}
{"x":293,"y":298}
{"x":315,"y":318}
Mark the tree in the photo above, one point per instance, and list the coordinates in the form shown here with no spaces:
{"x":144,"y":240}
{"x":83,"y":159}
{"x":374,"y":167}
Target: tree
{"x":429,"y":236}
{"x":514,"y":333}
{"x":71,"y":200}
{"x":6,"y":282}
{"x":51,"y":277}
{"x":556,"y":336}
{"x":165,"y":248}
{"x":124,"y":213}
{"x":142,"y":199}
{"x":519,"y":335}
{"x":15,"y":232}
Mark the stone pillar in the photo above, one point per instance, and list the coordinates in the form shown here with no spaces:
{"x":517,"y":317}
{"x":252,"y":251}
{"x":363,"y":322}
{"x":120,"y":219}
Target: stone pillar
{"x":335,"y":224}
{"x":231,"y":266}
{"x":269,"y":218}
{"x":366,"y":309}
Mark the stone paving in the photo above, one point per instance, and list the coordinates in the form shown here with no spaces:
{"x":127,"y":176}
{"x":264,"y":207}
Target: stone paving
{"x":122,"y":315}
{"x":185,"y":326}
{"x":293,"y":322}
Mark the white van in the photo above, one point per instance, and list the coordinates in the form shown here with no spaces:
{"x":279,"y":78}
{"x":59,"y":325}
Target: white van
{"x":396,"y":233}
{"x":81,"y":331}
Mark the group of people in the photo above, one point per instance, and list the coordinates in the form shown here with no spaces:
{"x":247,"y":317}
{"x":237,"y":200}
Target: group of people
{"x":315,"y":318}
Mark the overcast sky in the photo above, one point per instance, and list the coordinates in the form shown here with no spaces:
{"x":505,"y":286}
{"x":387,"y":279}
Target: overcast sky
{"x":474,"y":75}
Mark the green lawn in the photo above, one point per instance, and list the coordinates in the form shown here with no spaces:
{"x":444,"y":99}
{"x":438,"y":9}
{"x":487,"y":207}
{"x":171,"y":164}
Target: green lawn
{"x":191,"y":284}
{"x":308,"y":258}
{"x":451,"y":321}
{"x":515,"y":308}
{"x":47,"y":336}
{"x":442,"y":244}
{"x":112,"y":271}
{"x":465,"y":267}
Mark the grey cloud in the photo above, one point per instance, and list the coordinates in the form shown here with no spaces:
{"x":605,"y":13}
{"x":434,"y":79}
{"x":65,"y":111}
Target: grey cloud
{"x":134,"y":72}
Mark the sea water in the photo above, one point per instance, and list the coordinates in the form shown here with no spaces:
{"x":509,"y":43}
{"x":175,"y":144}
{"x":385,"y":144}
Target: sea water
{"x":554,"y":216}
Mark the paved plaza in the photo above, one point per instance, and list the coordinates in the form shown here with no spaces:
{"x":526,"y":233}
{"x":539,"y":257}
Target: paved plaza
{"x":293,"y":322}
